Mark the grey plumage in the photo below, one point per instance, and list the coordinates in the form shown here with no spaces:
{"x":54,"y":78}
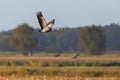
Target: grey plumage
{"x":45,"y":27}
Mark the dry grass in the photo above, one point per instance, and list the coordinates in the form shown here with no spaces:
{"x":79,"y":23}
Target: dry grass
{"x":64,"y":67}
{"x":108,"y":57}
{"x":57,"y":78}
{"x":63,"y":60}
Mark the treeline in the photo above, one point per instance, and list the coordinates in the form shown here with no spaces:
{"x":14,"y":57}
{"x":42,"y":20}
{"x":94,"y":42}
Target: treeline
{"x":66,"y":40}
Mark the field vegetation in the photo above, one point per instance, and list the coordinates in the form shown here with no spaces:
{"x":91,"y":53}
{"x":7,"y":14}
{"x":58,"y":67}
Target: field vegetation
{"x":64,"y":67}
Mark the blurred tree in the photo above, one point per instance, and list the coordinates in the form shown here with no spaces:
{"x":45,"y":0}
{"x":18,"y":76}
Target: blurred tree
{"x":23,"y":40}
{"x":65,"y":40}
{"x":112,"y":33}
{"x":92,"y":40}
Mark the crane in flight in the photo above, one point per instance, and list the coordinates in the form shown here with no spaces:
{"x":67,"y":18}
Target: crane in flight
{"x":45,"y":27}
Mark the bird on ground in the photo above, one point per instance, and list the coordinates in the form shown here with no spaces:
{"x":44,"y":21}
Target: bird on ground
{"x":45,"y":27}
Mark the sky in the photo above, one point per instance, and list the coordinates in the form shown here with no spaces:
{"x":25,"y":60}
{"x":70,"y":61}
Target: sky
{"x":70,"y":13}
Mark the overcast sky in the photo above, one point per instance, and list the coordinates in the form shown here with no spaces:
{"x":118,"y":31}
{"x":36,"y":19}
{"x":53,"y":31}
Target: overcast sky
{"x":71,"y":13}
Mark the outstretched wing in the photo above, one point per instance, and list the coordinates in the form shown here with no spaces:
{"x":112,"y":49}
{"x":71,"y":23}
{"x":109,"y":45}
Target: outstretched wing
{"x":51,"y":23}
{"x":41,"y":20}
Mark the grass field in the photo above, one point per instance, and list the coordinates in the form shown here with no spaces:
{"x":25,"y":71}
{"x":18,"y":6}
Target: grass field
{"x":64,"y":67}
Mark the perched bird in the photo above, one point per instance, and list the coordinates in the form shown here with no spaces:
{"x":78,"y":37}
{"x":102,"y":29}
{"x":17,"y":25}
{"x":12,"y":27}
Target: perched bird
{"x":45,"y":27}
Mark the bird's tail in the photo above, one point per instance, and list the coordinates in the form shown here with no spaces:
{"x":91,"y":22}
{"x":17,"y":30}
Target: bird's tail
{"x":56,"y":29}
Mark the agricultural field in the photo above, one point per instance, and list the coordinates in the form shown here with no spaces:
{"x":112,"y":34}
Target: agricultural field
{"x":63,"y":67}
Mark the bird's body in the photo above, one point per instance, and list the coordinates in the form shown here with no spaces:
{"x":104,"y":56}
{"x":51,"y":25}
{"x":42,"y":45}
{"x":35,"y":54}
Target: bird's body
{"x":45,"y":27}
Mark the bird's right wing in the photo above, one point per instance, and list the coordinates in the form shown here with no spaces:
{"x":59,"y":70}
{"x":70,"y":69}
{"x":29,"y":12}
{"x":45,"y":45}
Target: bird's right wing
{"x":51,"y":23}
{"x":41,"y":20}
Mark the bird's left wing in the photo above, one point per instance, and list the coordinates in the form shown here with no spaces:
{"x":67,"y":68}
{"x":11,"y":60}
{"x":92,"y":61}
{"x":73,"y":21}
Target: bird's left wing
{"x":41,"y":20}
